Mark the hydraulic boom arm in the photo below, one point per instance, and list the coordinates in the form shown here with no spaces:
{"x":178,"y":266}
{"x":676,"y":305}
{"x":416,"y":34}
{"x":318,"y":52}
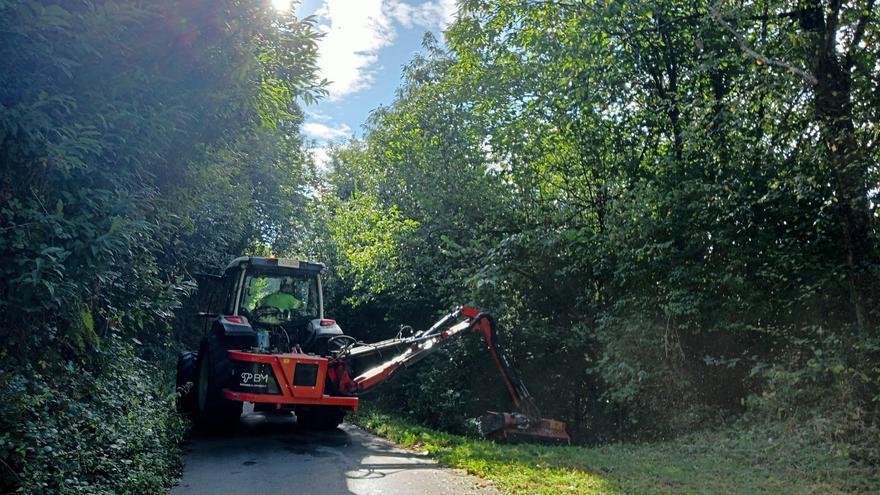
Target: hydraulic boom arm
{"x":524,"y":424}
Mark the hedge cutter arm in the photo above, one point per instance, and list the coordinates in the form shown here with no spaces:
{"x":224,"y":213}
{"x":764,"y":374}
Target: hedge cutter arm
{"x":526,"y":424}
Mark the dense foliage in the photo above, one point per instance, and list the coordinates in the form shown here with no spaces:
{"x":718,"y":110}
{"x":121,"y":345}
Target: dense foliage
{"x":140,"y":142}
{"x":670,"y":206}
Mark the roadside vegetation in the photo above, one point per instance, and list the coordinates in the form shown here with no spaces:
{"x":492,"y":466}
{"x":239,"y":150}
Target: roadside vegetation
{"x":671,"y":208}
{"x":795,"y":458}
{"x":140,"y":142}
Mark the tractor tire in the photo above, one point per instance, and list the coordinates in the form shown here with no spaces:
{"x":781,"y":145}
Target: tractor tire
{"x":214,"y":413}
{"x":321,"y":418}
{"x":186,"y":381}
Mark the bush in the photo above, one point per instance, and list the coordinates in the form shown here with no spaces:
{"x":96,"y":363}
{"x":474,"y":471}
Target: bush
{"x":67,"y":430}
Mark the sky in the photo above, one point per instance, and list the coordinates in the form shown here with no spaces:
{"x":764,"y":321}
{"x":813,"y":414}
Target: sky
{"x":365,"y":44}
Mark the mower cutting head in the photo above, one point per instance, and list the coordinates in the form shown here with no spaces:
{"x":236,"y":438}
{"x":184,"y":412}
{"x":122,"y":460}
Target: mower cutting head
{"x":517,"y":428}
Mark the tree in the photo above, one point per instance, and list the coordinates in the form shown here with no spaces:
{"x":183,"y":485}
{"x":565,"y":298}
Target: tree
{"x":838,"y":68}
{"x":671,"y":186}
{"x":139,"y":142}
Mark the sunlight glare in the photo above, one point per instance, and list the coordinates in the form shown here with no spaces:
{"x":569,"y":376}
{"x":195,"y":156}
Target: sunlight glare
{"x":281,"y":5}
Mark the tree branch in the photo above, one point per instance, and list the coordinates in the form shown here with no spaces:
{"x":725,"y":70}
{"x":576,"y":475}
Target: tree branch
{"x":715,"y":12}
{"x":858,"y":33}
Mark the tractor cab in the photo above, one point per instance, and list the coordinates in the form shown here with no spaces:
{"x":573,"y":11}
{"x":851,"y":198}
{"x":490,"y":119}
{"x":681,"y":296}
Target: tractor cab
{"x":277,"y":301}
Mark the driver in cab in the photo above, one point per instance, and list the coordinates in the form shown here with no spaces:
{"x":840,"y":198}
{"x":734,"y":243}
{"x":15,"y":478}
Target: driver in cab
{"x":283,"y":300}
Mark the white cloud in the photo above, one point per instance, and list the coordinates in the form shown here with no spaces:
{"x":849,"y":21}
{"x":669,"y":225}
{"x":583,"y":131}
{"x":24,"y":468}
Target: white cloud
{"x":433,"y":14}
{"x":323,"y":132}
{"x":316,"y":115}
{"x":355,"y":30}
{"x":321,"y":157}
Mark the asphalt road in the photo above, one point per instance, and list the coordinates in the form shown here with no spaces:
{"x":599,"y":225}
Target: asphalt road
{"x":272,"y":455}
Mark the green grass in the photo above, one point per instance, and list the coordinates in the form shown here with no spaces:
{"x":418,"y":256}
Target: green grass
{"x":766,"y":459}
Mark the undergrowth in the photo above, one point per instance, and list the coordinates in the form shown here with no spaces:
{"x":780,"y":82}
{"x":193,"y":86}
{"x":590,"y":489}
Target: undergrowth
{"x":66,"y":430}
{"x":746,"y":459}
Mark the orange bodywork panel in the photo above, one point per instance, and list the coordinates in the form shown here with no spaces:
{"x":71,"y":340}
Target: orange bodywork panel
{"x":290,"y":389}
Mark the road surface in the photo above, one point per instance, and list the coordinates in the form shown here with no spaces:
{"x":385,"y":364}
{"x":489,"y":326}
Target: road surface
{"x":271,"y":454}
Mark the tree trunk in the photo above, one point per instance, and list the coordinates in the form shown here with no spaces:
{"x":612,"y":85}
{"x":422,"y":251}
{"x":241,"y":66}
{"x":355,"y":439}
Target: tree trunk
{"x":834,"y":113}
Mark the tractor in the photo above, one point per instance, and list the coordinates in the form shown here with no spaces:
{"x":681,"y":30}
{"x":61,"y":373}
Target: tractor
{"x":269,"y":343}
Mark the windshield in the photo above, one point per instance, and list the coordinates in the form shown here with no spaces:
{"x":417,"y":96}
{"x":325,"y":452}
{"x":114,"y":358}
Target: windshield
{"x":277,"y":298}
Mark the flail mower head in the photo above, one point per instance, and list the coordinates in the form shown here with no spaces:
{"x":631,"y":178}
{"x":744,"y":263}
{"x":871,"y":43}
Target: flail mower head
{"x":517,"y":428}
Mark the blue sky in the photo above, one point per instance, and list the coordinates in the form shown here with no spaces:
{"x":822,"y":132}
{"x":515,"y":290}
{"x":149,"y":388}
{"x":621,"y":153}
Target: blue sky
{"x":364,"y":46}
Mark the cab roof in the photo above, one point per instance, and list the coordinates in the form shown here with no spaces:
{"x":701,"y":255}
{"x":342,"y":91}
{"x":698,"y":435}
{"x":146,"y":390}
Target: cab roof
{"x":274,"y":264}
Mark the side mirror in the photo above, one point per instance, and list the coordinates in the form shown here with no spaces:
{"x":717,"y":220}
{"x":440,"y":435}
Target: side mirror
{"x":210,"y":292}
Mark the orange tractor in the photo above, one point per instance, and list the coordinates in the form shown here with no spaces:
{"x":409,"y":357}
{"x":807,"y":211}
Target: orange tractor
{"x":270,"y":344}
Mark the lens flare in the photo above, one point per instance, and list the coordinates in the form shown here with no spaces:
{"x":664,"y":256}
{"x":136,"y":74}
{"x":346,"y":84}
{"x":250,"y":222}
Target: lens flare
{"x":281,"y":5}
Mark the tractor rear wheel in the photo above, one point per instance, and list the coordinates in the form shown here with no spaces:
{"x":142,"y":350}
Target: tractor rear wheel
{"x":186,"y":382}
{"x":319,"y":417}
{"x":213,"y":410}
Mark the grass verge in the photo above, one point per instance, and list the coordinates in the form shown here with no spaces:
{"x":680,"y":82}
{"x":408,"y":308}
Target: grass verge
{"x":761,"y":459}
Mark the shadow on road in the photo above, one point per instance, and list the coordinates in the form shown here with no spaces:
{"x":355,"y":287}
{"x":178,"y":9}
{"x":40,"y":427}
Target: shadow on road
{"x":270,"y":453}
